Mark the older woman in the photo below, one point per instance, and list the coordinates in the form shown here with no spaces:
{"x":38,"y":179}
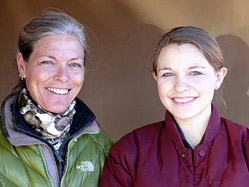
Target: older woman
{"x":193,"y":146}
{"x":48,"y":136}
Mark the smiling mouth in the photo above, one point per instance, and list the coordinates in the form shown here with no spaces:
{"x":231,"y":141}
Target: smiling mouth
{"x":58,"y":91}
{"x":184,"y":100}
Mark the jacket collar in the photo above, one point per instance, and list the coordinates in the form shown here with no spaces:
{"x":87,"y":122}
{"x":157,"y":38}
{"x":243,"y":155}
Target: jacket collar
{"x":83,"y":122}
{"x":211,"y":131}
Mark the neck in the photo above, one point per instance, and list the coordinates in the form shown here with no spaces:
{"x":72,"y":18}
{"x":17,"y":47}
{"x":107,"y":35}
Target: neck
{"x":49,"y":125}
{"x":194,"y":129}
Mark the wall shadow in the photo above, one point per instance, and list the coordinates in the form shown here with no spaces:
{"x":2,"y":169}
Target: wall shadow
{"x":236,"y":83}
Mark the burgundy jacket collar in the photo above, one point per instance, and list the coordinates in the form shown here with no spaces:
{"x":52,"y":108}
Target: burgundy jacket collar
{"x":211,"y":131}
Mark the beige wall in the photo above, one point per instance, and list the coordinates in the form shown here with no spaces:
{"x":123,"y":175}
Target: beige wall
{"x":118,"y":85}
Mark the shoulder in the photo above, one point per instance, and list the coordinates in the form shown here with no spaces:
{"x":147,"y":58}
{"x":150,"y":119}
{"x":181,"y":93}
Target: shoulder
{"x":2,"y":135}
{"x":147,"y":133}
{"x":4,"y":142}
{"x":93,"y":135}
{"x":149,"y":130}
{"x":235,"y":130}
{"x":144,"y":136}
{"x":104,"y":141}
{"x":233,"y":125}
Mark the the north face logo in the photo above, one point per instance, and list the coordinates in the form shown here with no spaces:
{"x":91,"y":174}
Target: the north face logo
{"x":86,"y":166}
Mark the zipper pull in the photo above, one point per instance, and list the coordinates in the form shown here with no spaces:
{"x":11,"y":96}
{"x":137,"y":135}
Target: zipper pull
{"x":59,"y":157}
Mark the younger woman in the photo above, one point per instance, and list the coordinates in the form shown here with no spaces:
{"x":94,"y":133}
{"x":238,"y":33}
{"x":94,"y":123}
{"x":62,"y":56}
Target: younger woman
{"x":193,"y":146}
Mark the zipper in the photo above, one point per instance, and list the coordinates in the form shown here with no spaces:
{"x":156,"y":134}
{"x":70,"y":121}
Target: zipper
{"x":61,"y":162}
{"x":74,"y":139}
{"x":70,"y":139}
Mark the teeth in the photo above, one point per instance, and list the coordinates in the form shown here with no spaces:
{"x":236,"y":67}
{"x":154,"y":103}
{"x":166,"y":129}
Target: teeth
{"x":58,"y":91}
{"x":183,"y":100}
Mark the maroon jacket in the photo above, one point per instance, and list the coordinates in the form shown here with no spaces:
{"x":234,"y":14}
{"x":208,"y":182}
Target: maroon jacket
{"x":155,"y":156}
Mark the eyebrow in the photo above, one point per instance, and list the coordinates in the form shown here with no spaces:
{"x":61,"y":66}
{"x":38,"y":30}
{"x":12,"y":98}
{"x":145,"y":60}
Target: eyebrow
{"x":195,"y":67}
{"x":165,"y":68}
{"x":191,"y":67}
{"x":76,"y":58}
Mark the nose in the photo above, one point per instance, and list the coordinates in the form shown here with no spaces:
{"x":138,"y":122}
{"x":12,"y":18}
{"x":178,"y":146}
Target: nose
{"x":62,"y":74}
{"x":181,"y":84}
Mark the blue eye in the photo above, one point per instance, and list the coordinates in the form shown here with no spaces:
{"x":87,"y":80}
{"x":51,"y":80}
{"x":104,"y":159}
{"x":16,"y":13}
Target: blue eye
{"x":75,"y":65}
{"x":168,"y":74}
{"x":195,"y":73}
{"x":46,"y":62}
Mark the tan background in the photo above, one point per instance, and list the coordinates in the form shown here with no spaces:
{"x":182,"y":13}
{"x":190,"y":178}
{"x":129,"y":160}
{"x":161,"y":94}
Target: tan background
{"x":118,"y":86}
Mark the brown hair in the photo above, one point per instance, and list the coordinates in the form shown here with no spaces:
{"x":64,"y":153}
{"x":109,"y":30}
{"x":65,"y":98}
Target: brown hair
{"x":193,"y":35}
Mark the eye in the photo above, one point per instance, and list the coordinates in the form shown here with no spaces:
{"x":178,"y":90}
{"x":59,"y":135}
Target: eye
{"x":47,"y":62}
{"x":75,"y":65}
{"x":167,"y":74}
{"x":195,"y":73}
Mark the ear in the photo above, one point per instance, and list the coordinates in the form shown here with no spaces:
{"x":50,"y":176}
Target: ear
{"x":220,"y":77}
{"x":21,"y":64}
{"x":154,"y":76}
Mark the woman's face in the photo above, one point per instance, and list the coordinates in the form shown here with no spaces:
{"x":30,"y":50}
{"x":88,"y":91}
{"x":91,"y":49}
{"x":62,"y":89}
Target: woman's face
{"x":54,"y":73}
{"x":186,"y":82}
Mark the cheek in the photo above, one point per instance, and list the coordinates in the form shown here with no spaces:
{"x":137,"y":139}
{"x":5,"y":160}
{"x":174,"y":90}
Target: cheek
{"x":39,"y":73}
{"x":206,"y":83}
{"x":78,"y":79}
{"x":163,"y":88}
{"x":34,"y":82}
{"x":38,"y":77}
{"x":208,"y":86}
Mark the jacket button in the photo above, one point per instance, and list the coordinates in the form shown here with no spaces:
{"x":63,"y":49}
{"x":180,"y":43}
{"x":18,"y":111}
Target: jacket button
{"x":184,"y":155}
{"x":202,"y":152}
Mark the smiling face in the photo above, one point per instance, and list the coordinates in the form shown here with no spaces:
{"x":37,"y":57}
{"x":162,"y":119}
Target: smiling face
{"x":186,"y":82}
{"x":54,"y":73}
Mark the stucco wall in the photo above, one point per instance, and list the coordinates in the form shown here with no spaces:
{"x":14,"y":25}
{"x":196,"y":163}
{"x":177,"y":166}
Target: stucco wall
{"x":118,"y":86}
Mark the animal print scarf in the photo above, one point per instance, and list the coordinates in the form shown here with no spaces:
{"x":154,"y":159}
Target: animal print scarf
{"x":51,"y":126}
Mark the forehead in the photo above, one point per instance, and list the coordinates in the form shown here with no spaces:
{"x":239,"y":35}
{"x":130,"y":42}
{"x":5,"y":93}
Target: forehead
{"x":58,"y":44}
{"x":182,"y":55}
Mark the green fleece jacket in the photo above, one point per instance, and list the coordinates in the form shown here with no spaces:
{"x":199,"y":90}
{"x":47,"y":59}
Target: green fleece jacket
{"x":27,"y":161}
